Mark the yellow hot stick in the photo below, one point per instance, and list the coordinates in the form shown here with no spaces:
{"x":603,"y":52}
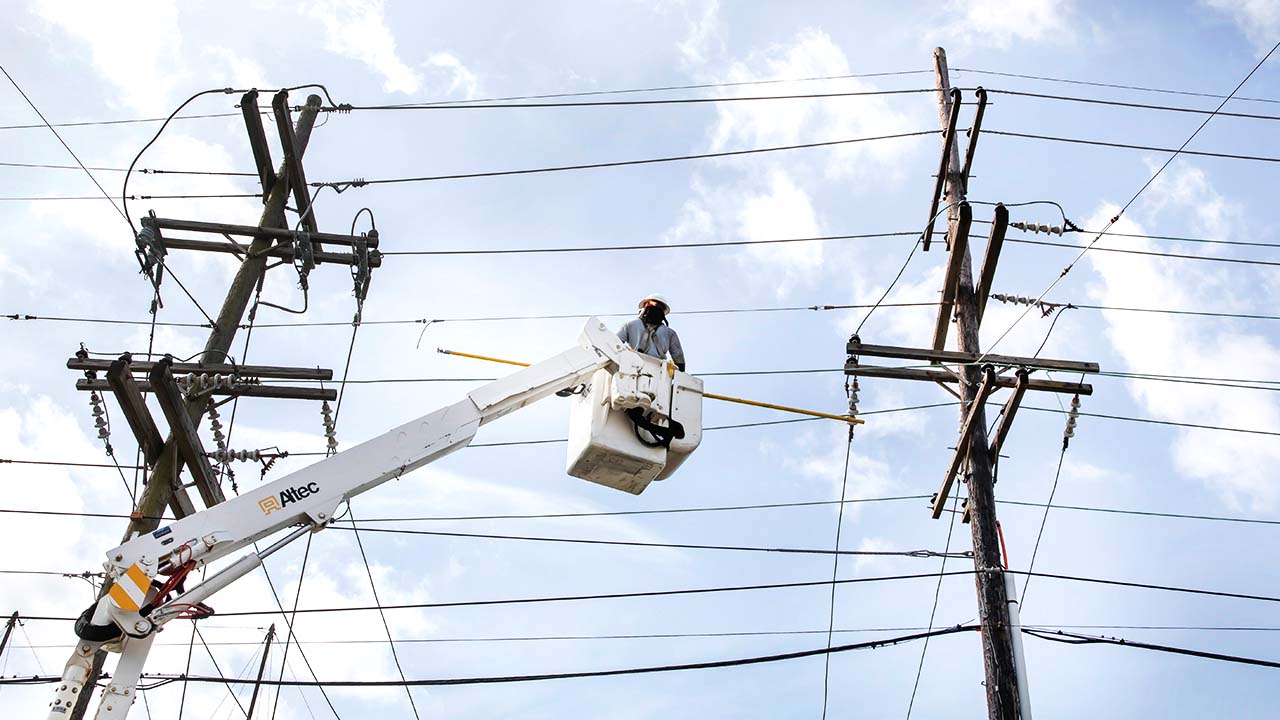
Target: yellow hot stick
{"x":711,"y":396}
{"x":785,"y":408}
{"x":481,"y":357}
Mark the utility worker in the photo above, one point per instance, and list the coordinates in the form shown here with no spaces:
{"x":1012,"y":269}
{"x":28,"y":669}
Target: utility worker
{"x":650,"y":334}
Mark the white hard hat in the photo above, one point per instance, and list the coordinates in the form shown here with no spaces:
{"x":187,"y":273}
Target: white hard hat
{"x":657,"y":297}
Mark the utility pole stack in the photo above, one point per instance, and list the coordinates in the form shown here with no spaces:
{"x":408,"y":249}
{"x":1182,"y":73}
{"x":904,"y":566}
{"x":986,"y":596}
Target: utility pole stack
{"x":978,"y":375}
{"x":185,"y":391}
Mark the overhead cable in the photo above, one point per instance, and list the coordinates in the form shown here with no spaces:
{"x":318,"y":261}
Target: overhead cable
{"x":1080,"y":639}
{"x":1134,"y":198}
{"x":675,"y":546}
{"x":651,"y":246}
{"x":573,"y":598}
{"x":619,"y":163}
{"x":872,"y":644}
{"x":511,"y":97}
{"x":584,"y":316}
{"x":734,"y":588}
{"x":63,"y":143}
{"x":706,"y":509}
{"x":619,"y":103}
{"x":1117,"y":86}
{"x":1119,"y":103}
{"x":1131,"y":146}
{"x":684,"y":635}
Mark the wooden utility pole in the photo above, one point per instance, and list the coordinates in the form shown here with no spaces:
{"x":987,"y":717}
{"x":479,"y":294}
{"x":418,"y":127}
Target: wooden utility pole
{"x":993,"y":610}
{"x":164,"y":488}
{"x":8,"y":630}
{"x":262,"y":666}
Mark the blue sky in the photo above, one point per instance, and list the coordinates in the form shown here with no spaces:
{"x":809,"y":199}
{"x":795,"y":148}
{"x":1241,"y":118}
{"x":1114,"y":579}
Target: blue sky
{"x":85,"y":61}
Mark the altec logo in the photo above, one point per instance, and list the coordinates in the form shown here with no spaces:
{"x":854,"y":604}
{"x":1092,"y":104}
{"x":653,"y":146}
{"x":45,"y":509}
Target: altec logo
{"x":271,"y":503}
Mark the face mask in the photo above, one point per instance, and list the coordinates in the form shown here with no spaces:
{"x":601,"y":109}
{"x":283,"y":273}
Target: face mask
{"x":652,"y":315}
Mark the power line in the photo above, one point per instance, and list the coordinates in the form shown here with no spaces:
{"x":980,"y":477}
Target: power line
{"x":1134,"y":198}
{"x":1131,"y":146}
{"x":623,"y":103}
{"x":63,"y":142}
{"x":1044,"y":519}
{"x":1151,"y":421}
{"x":1114,"y":85}
{"x":676,"y":546}
{"x":619,"y":163}
{"x":583,"y":316}
{"x":572,"y":598}
{"x":1153,"y":253}
{"x":509,"y":98}
{"x":1195,"y":313}
{"x":651,"y":246}
{"x":716,"y":508}
{"x":1148,"y":586}
{"x":8,"y":461}
{"x":144,"y":171}
{"x":1079,"y":639}
{"x":937,"y":592}
{"x":722,"y":589}
{"x":835,"y":571}
{"x":1118,"y":103}
{"x":39,"y":198}
{"x":873,"y":644}
{"x":381,"y":614}
{"x":690,"y":635}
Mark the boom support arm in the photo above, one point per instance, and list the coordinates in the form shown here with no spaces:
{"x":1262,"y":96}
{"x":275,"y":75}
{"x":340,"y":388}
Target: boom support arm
{"x":307,"y":497}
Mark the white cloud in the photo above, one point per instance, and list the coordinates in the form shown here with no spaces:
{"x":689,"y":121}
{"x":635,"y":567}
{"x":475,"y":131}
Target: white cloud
{"x":1259,"y":20}
{"x":704,"y":36}
{"x":134,"y":46}
{"x":240,"y":71}
{"x":454,"y":77}
{"x":866,"y":563}
{"x":997,"y":23}
{"x":357,"y":29}
{"x":783,"y":210}
{"x":758,"y":124}
{"x":1190,"y":346}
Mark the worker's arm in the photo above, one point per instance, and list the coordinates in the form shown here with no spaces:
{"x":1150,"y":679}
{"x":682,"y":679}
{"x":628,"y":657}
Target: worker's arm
{"x":624,"y":332}
{"x":677,"y":352}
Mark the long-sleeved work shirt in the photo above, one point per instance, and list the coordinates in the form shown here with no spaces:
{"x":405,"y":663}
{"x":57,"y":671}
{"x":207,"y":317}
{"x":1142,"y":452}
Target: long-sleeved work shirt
{"x":657,"y":341}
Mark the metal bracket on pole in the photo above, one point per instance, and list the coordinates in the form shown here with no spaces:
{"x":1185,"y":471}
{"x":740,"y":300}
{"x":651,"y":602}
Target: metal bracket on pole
{"x":135,"y":409}
{"x":1010,"y":409}
{"x":258,"y":142}
{"x":948,"y":140}
{"x":962,"y":445}
{"x":972,"y":147}
{"x":293,"y":161}
{"x":1006,"y":424}
{"x":959,"y":250}
{"x":994,"y":242}
{"x":185,"y":436}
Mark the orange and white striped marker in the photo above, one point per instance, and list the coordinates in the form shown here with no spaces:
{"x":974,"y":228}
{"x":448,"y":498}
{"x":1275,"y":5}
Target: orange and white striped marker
{"x":129,"y":591}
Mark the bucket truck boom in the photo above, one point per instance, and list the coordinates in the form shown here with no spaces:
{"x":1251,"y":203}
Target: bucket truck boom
{"x":660,"y":406}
